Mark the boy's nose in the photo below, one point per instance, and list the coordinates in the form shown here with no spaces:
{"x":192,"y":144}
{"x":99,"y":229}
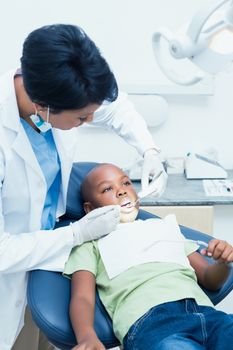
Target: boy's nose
{"x":121,"y":192}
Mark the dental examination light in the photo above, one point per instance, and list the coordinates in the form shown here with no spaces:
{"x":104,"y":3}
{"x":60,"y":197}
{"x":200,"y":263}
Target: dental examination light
{"x":207,"y":42}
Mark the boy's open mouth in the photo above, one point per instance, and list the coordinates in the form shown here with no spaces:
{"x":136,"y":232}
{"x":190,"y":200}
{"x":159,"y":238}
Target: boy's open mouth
{"x":127,"y":205}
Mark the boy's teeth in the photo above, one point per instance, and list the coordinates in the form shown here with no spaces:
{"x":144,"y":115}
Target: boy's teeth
{"x":124,"y":205}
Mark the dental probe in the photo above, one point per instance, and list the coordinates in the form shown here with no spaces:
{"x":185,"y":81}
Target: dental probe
{"x":134,"y":203}
{"x":152,"y":190}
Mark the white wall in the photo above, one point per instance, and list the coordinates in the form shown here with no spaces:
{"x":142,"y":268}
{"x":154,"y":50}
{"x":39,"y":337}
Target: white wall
{"x":123,"y":29}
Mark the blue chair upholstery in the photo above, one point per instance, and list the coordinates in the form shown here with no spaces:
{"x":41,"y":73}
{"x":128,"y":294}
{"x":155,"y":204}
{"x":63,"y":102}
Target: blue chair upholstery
{"x":49,"y":292}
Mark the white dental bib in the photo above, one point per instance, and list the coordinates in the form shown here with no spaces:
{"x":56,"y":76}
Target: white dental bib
{"x":142,"y":241}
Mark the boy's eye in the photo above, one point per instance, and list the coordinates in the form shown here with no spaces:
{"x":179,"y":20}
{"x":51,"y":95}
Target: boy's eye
{"x":107,"y":189}
{"x":127,"y":183}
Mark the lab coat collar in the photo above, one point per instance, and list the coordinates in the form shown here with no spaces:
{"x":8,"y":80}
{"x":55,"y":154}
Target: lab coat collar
{"x":65,"y":140}
{"x":11,"y":121}
{"x":23,"y":148}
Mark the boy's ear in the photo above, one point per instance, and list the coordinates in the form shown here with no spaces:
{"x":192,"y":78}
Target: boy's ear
{"x":87,"y":206}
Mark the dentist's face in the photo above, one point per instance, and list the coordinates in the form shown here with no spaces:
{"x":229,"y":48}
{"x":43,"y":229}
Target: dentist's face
{"x":108,"y":185}
{"x":69,"y":119}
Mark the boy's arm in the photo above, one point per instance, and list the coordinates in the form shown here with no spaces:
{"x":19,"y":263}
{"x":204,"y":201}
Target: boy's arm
{"x":213,"y":276}
{"x":82,"y":308}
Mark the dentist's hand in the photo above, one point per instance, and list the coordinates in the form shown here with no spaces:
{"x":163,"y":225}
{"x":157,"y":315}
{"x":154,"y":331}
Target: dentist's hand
{"x":152,"y":167}
{"x":99,"y":222}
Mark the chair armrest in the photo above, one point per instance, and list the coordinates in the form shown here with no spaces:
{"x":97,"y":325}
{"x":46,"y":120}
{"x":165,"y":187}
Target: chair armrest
{"x":219,"y":295}
{"x":50,"y":310}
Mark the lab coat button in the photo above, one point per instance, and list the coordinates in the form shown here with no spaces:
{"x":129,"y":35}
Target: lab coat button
{"x":18,"y":303}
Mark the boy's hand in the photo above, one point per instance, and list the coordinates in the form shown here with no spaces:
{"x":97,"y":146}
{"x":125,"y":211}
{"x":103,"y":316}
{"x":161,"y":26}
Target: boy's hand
{"x":90,"y":343}
{"x":219,"y":250}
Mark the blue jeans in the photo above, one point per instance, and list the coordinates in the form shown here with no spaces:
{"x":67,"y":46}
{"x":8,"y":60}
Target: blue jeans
{"x":181,"y":325}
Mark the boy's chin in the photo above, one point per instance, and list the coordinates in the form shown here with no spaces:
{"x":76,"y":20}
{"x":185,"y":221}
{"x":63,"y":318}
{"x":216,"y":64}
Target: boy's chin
{"x":128,"y":216}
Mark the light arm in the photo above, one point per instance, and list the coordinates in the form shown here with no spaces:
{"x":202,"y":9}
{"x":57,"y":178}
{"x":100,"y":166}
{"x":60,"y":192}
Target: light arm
{"x":201,"y":17}
{"x":164,"y":33}
{"x":196,"y":44}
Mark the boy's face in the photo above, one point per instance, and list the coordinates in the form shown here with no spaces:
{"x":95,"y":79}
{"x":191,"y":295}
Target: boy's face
{"x":108,"y":185}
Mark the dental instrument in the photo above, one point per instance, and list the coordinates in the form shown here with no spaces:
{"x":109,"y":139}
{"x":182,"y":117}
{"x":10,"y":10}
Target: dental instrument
{"x":151,"y":189}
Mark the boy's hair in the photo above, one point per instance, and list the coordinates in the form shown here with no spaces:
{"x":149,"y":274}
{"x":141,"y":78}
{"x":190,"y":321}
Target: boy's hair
{"x":85,"y":188}
{"x":62,"y":68}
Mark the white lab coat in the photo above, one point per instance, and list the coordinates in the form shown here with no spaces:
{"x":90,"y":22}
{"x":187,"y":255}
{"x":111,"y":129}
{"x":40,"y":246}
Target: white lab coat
{"x":23,"y":246}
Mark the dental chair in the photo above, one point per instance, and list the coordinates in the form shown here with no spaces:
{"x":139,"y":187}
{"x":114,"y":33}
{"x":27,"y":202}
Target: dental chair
{"x":48,"y":292}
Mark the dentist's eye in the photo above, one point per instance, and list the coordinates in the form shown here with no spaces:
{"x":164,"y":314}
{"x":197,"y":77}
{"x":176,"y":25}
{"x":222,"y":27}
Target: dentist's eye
{"x":82,"y":119}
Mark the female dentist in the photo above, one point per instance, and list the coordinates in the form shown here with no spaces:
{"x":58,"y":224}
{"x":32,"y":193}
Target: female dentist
{"x":63,"y":82}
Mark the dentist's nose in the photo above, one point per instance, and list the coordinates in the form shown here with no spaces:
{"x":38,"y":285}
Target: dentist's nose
{"x":90,"y":118}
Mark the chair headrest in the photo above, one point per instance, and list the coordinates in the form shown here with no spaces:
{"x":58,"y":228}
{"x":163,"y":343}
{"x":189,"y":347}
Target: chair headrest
{"x":74,"y":206}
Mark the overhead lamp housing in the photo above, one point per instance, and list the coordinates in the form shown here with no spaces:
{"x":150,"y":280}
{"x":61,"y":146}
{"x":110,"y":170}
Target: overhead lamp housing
{"x":207,"y":42}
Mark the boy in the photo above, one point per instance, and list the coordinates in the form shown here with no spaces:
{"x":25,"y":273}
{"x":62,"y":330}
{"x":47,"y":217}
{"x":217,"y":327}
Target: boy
{"x":146,"y":274}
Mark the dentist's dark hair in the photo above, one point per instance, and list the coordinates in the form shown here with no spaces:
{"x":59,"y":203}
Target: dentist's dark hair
{"x":62,"y":68}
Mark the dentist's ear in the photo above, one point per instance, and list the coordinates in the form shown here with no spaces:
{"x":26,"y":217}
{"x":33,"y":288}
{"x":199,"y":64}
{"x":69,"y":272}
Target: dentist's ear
{"x":87,"y":206}
{"x":39,"y":108}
